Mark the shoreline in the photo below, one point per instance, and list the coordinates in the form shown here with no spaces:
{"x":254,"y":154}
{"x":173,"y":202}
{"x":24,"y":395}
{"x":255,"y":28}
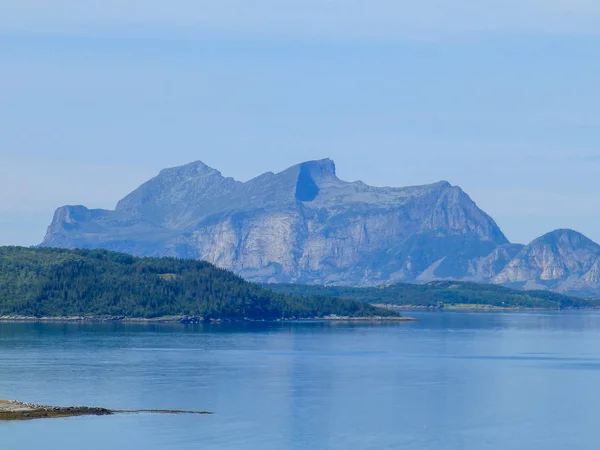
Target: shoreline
{"x":15,"y":410}
{"x":466,"y":307}
{"x":190,"y":320}
{"x":11,"y":410}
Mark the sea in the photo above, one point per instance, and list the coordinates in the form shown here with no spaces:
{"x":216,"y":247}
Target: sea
{"x":451,"y":381}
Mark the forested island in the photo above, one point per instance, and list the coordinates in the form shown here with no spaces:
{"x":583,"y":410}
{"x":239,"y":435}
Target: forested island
{"x":442,"y":295}
{"x":57,"y":283}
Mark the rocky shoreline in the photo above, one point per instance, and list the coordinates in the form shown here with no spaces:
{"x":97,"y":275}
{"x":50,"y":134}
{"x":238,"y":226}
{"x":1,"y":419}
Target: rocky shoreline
{"x":17,"y":410}
{"x":187,"y":320}
{"x":463,"y":307}
{"x":94,"y":319}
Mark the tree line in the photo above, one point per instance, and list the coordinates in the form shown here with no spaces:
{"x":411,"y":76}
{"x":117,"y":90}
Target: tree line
{"x":55,"y":282}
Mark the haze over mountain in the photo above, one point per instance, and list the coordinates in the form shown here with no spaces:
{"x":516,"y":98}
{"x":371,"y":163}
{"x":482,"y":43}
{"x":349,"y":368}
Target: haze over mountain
{"x":306,"y":225}
{"x":564,"y":260}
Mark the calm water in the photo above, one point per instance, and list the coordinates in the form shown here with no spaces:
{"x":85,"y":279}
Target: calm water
{"x":451,"y":381}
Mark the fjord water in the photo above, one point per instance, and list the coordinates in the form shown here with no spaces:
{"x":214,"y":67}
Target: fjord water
{"x":451,"y":381}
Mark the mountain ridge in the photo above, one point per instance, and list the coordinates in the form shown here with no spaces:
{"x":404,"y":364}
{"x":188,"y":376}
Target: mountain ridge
{"x":563,"y":260}
{"x":306,"y":225}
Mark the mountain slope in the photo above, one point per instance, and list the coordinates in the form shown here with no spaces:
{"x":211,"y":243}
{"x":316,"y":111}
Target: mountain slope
{"x":563,"y":261}
{"x":301,"y":225}
{"x":52,"y":282}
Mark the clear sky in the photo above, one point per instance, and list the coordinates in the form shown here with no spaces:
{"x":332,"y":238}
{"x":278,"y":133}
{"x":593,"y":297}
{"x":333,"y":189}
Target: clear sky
{"x":499,"y":97}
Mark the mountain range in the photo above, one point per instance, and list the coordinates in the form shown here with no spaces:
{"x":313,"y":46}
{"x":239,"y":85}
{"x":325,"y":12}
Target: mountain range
{"x":306,"y":225}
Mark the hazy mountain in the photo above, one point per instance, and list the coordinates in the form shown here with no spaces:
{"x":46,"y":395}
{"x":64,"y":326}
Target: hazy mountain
{"x":305,"y":225}
{"x":301,"y":225}
{"x":487,"y":267}
{"x":563,"y":261}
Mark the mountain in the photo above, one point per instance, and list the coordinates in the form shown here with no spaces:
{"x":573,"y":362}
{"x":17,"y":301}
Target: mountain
{"x":301,"y":225}
{"x":562,"y":261}
{"x":54,"y":282}
{"x":305,"y":225}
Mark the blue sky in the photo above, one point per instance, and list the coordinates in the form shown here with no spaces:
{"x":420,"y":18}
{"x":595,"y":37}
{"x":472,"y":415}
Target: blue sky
{"x":500,"y":98}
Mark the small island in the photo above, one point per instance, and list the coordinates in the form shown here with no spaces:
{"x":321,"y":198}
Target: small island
{"x":16,"y":410}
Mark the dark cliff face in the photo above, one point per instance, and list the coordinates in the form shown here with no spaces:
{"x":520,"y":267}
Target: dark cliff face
{"x":307,"y":188}
{"x":304,"y":225}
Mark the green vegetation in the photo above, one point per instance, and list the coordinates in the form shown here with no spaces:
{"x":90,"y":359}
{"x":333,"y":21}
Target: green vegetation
{"x":441,"y":294}
{"x":58,"y":283}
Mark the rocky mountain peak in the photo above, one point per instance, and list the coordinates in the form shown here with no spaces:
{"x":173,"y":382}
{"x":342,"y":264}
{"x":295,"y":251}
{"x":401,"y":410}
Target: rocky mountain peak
{"x":443,"y":184}
{"x":191,"y":170}
{"x":175,"y":193}
{"x":565,"y":238}
{"x":321,"y":168}
{"x":554,"y":261}
{"x":310,"y":175}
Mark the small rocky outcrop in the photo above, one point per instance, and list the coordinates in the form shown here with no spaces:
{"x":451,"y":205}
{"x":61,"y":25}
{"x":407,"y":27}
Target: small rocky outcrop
{"x":16,"y":410}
